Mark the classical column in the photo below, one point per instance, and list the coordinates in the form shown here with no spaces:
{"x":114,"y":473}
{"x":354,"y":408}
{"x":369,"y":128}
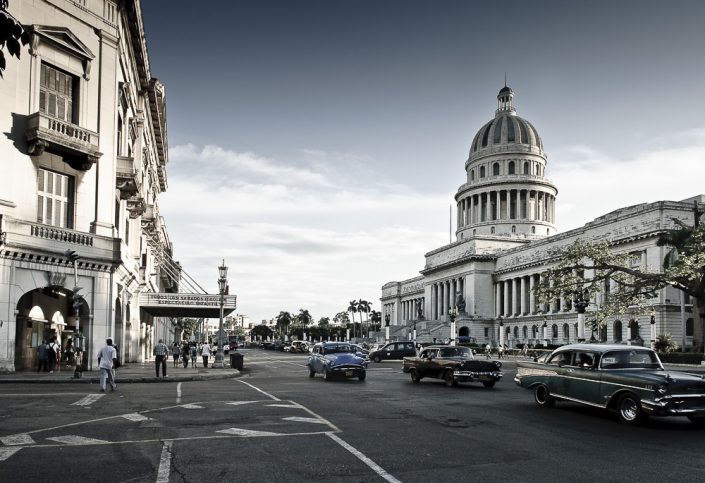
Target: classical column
{"x":498,"y":299}
{"x":506,"y":299}
{"x":523,"y":296}
{"x":513,"y":309}
{"x":498,"y":208}
{"x":532,"y":296}
{"x":434,"y":291}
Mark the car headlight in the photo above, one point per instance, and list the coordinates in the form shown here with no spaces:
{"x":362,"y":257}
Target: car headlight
{"x":662,"y":390}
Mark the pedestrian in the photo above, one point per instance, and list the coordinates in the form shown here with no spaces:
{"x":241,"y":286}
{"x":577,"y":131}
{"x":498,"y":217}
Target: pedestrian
{"x":69,"y":353}
{"x":52,"y":354}
{"x":161,"y":352}
{"x":194,"y":354}
{"x":500,"y":351}
{"x":205,"y":352}
{"x":488,"y":351}
{"x":185,"y":354}
{"x":175,"y":351}
{"x":107,"y":357}
{"x":42,"y":357}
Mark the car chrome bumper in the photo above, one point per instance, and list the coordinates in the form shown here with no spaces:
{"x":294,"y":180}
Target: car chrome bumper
{"x":676,"y":405}
{"x":477,"y":376}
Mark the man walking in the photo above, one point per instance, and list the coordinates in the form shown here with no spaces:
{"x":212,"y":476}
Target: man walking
{"x":42,"y":355}
{"x":205,"y":352}
{"x":107,"y":357}
{"x":161,"y":352}
{"x":52,"y":354}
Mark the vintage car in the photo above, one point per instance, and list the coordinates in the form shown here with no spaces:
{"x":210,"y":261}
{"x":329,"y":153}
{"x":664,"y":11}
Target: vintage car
{"x":453,"y":364}
{"x":336,"y":359}
{"x":627,"y":379}
{"x":297,"y":346}
{"x":393,"y":350}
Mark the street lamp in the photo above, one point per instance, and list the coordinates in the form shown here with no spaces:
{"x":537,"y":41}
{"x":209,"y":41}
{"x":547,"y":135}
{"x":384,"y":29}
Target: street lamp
{"x":452,"y":313}
{"x":386,"y":327}
{"x":580,"y":302}
{"x":222,"y":287}
{"x":501,"y":331}
{"x":73,"y":257}
{"x":653,"y":328}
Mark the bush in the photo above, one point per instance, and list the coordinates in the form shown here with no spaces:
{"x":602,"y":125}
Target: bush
{"x":681,"y":357}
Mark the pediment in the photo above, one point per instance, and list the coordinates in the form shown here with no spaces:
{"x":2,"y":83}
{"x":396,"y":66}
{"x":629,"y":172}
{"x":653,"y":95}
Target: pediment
{"x":64,"y":39}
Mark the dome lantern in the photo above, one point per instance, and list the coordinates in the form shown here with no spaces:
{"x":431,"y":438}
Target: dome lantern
{"x":505,"y":101}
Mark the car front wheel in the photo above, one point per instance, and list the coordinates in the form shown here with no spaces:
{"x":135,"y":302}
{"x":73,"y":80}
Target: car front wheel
{"x":488,"y":384}
{"x":414,"y":375}
{"x":629,"y":410}
{"x":543,"y":397}
{"x":377,"y":359}
{"x":449,"y":379}
{"x":311,"y":372}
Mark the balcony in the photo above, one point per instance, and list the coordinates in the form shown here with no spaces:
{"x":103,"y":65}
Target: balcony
{"x":127,"y":181}
{"x":78,"y":145}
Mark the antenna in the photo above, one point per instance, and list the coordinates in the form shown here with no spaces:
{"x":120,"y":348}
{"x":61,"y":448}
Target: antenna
{"x":450,"y":223}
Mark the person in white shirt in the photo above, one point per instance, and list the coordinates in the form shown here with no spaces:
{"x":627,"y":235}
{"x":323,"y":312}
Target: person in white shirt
{"x":106,"y":359}
{"x":205,"y":352}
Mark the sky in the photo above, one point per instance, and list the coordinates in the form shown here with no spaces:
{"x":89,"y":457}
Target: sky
{"x":316,"y":146}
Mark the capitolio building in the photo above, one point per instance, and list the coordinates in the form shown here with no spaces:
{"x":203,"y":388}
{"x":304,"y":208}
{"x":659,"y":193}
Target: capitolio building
{"x":506,"y":228}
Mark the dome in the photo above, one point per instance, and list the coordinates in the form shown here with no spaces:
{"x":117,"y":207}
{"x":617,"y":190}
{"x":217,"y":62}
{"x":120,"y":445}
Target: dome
{"x":506,"y":128}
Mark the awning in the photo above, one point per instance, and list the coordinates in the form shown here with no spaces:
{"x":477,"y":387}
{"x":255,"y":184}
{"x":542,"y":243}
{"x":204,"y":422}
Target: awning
{"x":186,"y":304}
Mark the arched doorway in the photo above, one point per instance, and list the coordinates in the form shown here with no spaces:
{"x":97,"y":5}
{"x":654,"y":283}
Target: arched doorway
{"x":43,"y":313}
{"x":464,"y":332}
{"x":617,"y":331}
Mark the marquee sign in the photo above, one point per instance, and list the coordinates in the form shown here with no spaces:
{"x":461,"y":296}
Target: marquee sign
{"x":186,"y":304}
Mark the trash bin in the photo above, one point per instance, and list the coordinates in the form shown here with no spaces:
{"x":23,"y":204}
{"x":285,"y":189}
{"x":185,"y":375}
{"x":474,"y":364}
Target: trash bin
{"x":236,"y":360}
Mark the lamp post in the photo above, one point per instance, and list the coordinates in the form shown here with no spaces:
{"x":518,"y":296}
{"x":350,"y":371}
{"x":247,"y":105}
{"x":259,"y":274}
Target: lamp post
{"x":501,"y":331}
{"x":414,"y":337}
{"x":222,"y":287}
{"x":545,"y":331}
{"x":452,"y":313}
{"x":386,"y":327}
{"x":653,"y":328}
{"x":72,"y":256}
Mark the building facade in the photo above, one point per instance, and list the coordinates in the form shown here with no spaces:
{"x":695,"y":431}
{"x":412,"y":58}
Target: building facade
{"x":505,"y":234}
{"x":82,"y":170}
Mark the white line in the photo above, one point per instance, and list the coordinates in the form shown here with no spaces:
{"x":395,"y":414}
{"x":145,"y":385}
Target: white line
{"x":17,"y":439}
{"x":178,"y":393}
{"x":7,"y":452}
{"x":135,"y":417}
{"x":74,"y":440}
{"x":258,"y":389}
{"x":305,"y":420}
{"x":88,"y":400}
{"x":164,"y":463}
{"x":375,"y":467}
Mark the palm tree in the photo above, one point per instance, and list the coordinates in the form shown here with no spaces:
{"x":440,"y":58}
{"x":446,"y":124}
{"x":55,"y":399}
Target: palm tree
{"x":352,"y":308}
{"x":304,"y":318}
{"x":376,"y":318}
{"x":284,"y":320}
{"x":363,"y":306}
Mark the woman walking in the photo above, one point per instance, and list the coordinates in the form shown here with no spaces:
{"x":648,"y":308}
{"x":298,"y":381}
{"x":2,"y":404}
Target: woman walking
{"x":185,"y":354}
{"x":175,"y":351}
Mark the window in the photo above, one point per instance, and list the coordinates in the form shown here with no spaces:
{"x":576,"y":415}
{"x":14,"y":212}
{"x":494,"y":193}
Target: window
{"x":511,"y":167}
{"x":554,"y":331}
{"x":487,"y":332}
{"x":492,"y":230}
{"x":482,"y":171}
{"x":53,"y":198}
{"x":472,"y":175}
{"x":533,"y":229}
{"x":524,"y":332}
{"x":689,"y":327}
{"x":566,"y":331}
{"x":526,"y":168}
{"x":514,"y":229}
{"x":495,"y":169}
{"x":57,"y":92}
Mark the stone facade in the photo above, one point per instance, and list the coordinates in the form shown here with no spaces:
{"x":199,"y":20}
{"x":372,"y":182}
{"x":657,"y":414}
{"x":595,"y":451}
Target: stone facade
{"x":82,"y":169}
{"x":504,"y":237}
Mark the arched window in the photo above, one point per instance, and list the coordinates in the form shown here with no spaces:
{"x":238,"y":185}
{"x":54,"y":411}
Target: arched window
{"x":472,"y":175}
{"x":514,"y":229}
{"x":510,"y":169}
{"x":474,"y":232}
{"x":525,"y":332}
{"x":554,"y":331}
{"x":533,"y":229}
{"x":689,"y":327}
{"x":526,"y":167}
{"x":482,"y":171}
{"x":516,"y":331}
{"x":548,"y":231}
{"x":495,"y":169}
{"x":566,"y":331}
{"x":492,"y":230}
{"x":534,"y":331}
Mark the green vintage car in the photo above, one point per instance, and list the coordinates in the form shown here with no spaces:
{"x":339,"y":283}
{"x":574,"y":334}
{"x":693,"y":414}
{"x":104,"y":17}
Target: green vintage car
{"x":627,"y":379}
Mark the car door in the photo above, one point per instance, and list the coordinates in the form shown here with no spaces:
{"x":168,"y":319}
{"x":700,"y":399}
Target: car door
{"x":582,"y":379}
{"x":390,"y":351}
{"x":317,"y":359}
{"x":559,"y":365}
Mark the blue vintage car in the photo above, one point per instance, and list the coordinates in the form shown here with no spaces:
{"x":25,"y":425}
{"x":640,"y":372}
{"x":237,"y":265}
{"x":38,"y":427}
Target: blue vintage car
{"x":336,"y":359}
{"x":627,"y":379}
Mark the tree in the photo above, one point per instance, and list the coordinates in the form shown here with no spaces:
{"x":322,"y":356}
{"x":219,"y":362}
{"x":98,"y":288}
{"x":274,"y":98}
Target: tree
{"x":261,"y":330}
{"x":584,"y":269}
{"x":363,"y":306}
{"x":341,"y":318}
{"x":284,"y":320}
{"x":665,"y":343}
{"x":11,"y":34}
{"x":324,"y":321}
{"x":352,"y":308}
{"x":304,"y":318}
{"x":376,"y":318}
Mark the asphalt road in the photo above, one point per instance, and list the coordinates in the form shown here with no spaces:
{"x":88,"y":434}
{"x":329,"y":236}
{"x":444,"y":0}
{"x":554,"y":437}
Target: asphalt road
{"x":274,"y":423}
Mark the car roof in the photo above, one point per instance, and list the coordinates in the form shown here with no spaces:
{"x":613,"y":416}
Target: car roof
{"x":601,"y":347}
{"x":444,"y":346}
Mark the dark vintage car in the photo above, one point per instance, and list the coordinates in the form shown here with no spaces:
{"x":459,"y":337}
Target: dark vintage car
{"x":627,"y":379}
{"x":336,"y":359}
{"x":453,"y":364}
{"x":393,"y":350}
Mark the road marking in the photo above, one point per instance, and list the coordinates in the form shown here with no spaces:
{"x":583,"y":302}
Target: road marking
{"x":248,"y":432}
{"x":178,"y":393}
{"x":88,"y":400}
{"x":135,"y":417}
{"x":164,"y":463}
{"x":191,"y":406}
{"x":375,"y":467}
{"x":282,"y":406}
{"x":77,"y":440}
{"x":260,"y":390}
{"x":17,"y":439}
{"x":7,"y":452}
{"x":238,"y":403}
{"x":305,"y":420}
{"x":52,"y":394}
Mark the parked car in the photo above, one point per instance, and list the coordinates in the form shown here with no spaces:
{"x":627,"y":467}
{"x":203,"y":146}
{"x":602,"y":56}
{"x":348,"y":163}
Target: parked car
{"x":336,"y":359}
{"x":453,"y":364}
{"x":627,"y":379}
{"x":393,"y":350}
{"x":298,"y":346}
{"x":360,"y":351}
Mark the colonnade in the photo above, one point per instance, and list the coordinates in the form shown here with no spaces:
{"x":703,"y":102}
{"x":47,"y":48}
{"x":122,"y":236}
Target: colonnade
{"x":512,"y":204}
{"x":409,"y":310}
{"x":444,"y":296}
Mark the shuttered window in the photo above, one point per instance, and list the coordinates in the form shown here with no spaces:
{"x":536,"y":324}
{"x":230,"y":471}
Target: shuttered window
{"x":53,"y":198}
{"x":56,"y":94}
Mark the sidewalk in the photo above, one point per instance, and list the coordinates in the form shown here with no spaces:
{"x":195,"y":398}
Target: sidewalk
{"x":134,"y":372}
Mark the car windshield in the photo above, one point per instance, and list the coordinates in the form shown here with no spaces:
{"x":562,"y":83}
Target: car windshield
{"x":338,"y":349}
{"x":463,"y":352}
{"x":630,"y":359}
